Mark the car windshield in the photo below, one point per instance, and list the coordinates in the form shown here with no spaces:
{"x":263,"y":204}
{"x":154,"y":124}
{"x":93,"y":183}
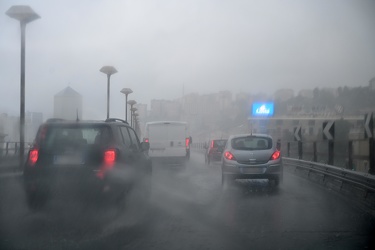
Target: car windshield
{"x":202,"y":124}
{"x":251,"y":143}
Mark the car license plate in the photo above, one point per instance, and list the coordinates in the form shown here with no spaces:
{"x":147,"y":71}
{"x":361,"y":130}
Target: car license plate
{"x":68,"y":160}
{"x":251,"y":170}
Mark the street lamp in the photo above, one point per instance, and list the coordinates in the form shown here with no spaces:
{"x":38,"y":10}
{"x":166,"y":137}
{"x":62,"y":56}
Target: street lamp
{"x":135,"y":121}
{"x":108,"y":70}
{"x":25,"y":15}
{"x":132,"y":116}
{"x":131,"y":103}
{"x":126,"y":91}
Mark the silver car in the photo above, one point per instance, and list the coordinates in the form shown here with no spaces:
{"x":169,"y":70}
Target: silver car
{"x":251,"y":156}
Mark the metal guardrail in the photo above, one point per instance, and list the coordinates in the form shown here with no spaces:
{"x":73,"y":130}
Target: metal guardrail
{"x":356,"y":185}
{"x":361,"y":180}
{"x":12,"y":148}
{"x":10,"y":158}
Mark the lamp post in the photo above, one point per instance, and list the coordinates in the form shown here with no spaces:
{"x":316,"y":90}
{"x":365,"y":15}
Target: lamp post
{"x":25,"y":15}
{"x":132,"y":116}
{"x":108,"y":70}
{"x":126,"y":92}
{"x":131,"y":103}
{"x":135,"y":125}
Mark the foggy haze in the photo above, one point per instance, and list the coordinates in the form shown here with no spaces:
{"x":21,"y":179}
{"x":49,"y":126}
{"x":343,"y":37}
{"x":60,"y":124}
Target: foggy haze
{"x":164,"y":49}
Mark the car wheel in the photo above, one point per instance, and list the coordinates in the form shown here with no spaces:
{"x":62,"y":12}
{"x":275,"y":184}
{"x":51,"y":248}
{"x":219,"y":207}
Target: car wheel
{"x":36,"y":200}
{"x":277,"y":181}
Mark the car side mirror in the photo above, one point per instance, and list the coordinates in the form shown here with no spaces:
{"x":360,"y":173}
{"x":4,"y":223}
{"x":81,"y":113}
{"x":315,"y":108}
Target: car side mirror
{"x":145,"y":146}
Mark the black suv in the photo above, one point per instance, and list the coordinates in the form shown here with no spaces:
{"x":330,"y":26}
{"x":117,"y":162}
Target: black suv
{"x":92,"y":158}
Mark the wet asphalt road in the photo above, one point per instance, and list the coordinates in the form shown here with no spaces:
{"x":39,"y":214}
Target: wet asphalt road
{"x":188,"y":210}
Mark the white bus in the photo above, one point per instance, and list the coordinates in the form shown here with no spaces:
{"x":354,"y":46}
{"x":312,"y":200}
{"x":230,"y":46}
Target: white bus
{"x":169,"y":141}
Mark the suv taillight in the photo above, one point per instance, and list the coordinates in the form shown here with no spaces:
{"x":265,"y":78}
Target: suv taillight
{"x":275,"y":155}
{"x":33,"y":156}
{"x":109,"y":157}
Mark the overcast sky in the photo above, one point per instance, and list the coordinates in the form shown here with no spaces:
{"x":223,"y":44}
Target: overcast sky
{"x":164,"y":48}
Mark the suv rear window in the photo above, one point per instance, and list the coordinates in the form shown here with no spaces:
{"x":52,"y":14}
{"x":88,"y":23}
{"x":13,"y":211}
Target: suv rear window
{"x":73,"y":136}
{"x":251,"y":143}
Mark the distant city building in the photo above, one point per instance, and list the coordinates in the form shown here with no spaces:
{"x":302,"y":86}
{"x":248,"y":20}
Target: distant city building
{"x":242,"y":97}
{"x":165,"y":110}
{"x":3,"y":127}
{"x":372,"y":84}
{"x":9,"y":126}
{"x":307,"y":93}
{"x":33,"y":121}
{"x":68,"y":104}
{"x":224,"y":98}
{"x":333,"y":91}
{"x":284,"y":94}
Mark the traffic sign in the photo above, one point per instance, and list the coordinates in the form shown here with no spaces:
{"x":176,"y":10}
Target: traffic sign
{"x":369,"y":125}
{"x":297,"y":133}
{"x":328,"y":130}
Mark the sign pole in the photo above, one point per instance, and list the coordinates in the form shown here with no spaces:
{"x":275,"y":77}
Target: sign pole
{"x":329,"y":134}
{"x":300,"y":151}
{"x":315,"y":152}
{"x":331,"y":148}
{"x":369,"y":130}
{"x":371,"y":155}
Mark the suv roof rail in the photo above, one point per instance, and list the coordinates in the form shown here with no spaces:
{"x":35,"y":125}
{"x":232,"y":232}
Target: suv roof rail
{"x":116,"y":120}
{"x":55,"y":120}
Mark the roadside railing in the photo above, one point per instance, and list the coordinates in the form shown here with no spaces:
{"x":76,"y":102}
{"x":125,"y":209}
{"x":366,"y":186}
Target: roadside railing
{"x":9,"y":157}
{"x":356,"y":184}
{"x":9,"y":149}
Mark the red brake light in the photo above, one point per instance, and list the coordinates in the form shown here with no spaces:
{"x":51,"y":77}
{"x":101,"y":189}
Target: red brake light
{"x":275,"y":155}
{"x":109,"y":160}
{"x":109,"y":157}
{"x":33,"y":156}
{"x":212,"y":144}
{"x":187,"y":142}
{"x":146,"y":140}
{"x":228,"y":155}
